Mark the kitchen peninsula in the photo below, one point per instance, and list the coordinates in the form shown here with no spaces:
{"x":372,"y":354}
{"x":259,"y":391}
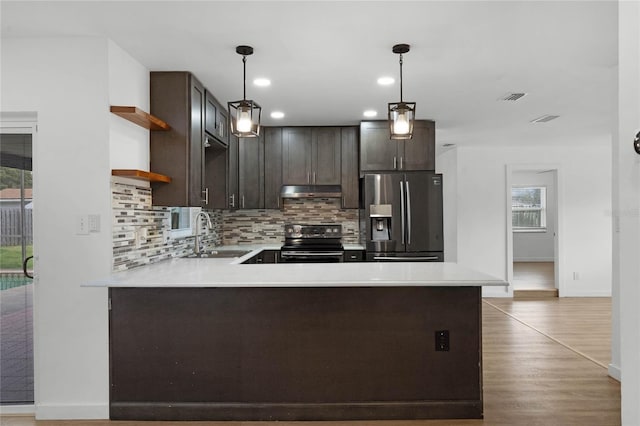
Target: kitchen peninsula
{"x":212,"y":339}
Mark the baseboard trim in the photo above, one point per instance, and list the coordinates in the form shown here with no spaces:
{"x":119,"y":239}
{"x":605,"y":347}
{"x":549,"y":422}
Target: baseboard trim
{"x":72,"y":411}
{"x":17,"y":410}
{"x":615,"y":372}
{"x":584,"y":294}
{"x":395,"y":410}
{"x":535,"y":259}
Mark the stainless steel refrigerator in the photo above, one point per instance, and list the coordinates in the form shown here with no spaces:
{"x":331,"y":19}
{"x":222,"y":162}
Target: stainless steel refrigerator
{"x":403,"y":215}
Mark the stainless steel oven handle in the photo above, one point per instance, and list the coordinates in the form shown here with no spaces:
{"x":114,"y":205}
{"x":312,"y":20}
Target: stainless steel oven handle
{"x":406,"y":258}
{"x":311,"y":253}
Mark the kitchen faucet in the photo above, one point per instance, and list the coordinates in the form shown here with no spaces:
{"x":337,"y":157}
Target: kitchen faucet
{"x":196,"y":247}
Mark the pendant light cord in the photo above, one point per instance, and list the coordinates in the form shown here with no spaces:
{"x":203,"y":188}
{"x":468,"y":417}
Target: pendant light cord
{"x":401,"y":77}
{"x":244,"y":78}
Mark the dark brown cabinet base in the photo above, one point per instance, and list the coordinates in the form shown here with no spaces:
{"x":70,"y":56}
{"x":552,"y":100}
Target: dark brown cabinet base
{"x":295,"y":353}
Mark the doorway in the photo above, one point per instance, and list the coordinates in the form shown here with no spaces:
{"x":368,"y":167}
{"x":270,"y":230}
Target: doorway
{"x":533,"y":231}
{"x":16,"y":266}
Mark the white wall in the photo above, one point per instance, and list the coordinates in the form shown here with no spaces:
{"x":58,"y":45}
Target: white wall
{"x":584,"y":225}
{"x":626,"y":203}
{"x":536,"y":246}
{"x":128,"y":85}
{"x":447,"y":161}
{"x":66,"y":81}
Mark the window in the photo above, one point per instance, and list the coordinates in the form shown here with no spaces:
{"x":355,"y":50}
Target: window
{"x":182,"y":219}
{"x":529,"y":208}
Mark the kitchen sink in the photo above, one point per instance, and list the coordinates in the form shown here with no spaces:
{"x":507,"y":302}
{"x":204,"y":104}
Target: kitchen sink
{"x":218,"y":254}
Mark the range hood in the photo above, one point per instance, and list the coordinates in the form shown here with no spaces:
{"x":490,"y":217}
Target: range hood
{"x":311,"y":191}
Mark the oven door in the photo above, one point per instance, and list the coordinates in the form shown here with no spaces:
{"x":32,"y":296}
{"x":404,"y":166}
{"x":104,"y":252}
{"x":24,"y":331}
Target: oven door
{"x":311,"y":256}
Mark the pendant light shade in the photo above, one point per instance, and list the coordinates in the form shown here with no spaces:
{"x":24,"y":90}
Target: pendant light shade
{"x":244,"y":115}
{"x":401,"y":114}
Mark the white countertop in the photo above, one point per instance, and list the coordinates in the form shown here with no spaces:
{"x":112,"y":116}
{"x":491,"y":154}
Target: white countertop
{"x":228,"y":272}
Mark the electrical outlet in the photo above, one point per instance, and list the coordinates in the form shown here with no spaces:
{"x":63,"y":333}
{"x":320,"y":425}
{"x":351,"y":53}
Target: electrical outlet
{"x":140,"y":236}
{"x":94,"y":223}
{"x":442,"y":340}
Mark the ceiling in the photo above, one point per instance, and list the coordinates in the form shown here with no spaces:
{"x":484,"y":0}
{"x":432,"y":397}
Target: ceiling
{"x":324,"y":57}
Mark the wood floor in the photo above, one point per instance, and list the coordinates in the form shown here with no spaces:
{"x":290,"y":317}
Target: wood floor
{"x":534,"y":280}
{"x":544,"y":364}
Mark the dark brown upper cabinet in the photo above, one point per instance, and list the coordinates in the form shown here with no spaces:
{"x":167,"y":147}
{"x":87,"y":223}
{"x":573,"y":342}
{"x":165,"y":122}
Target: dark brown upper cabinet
{"x":255,"y":170}
{"x":272,"y":167}
{"x":251,"y":173}
{"x":311,"y":155}
{"x":179,"y":98}
{"x":215,"y":119}
{"x":349,"y":181}
{"x":232,"y":174}
{"x":378,"y":152}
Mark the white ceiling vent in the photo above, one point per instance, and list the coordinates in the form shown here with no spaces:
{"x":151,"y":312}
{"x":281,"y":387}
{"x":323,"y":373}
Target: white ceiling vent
{"x":545,"y":118}
{"x":512,"y":96}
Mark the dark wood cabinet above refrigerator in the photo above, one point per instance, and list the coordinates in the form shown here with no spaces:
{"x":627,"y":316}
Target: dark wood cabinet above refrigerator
{"x":378,"y":152}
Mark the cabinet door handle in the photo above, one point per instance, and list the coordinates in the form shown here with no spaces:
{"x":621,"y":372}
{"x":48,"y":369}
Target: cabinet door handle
{"x":402,"y":215}
{"x":406,"y":183}
{"x":243,"y":201}
{"x":314,"y":177}
{"x":308,"y":177}
{"x":401,"y":164}
{"x":206,"y":195}
{"x":232,"y":202}
{"x":395,"y":163}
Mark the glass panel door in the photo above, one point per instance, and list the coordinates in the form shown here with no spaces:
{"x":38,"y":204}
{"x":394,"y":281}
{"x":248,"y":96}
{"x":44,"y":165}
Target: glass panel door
{"x":16,"y":270}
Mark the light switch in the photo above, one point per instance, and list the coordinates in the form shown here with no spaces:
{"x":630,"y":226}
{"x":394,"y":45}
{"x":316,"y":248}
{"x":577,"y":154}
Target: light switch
{"x":82,"y":224}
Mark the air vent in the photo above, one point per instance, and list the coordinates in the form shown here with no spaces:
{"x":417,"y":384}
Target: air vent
{"x":545,"y":118}
{"x":512,"y":96}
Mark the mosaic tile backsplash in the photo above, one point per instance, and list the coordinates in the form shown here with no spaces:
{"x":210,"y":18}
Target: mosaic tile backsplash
{"x":266,"y":226}
{"x":141,"y":232}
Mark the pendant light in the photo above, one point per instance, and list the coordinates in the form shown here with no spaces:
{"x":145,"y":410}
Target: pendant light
{"x":244,"y":115}
{"x":401,"y":114}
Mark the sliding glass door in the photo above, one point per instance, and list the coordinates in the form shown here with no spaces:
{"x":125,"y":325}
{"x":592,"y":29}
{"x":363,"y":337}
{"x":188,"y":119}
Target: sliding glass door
{"x":16,"y":269}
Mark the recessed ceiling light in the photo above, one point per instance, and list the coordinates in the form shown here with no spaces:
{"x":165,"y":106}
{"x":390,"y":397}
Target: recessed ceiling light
{"x":545,"y":118}
{"x":370,"y":113}
{"x":262,"y":82}
{"x":512,"y":96}
{"x":277,"y":114}
{"x":386,"y":81}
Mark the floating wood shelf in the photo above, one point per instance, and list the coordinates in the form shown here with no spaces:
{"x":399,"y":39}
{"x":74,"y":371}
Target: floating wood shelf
{"x":139,"y":117}
{"x":140,"y":175}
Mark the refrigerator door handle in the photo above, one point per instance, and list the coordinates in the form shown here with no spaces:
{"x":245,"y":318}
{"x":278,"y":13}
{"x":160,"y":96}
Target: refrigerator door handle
{"x":408,"y":213}
{"x":402,"y":209}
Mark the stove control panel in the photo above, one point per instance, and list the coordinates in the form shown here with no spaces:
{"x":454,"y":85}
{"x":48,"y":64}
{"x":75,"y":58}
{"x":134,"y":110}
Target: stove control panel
{"x":292,"y":230}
